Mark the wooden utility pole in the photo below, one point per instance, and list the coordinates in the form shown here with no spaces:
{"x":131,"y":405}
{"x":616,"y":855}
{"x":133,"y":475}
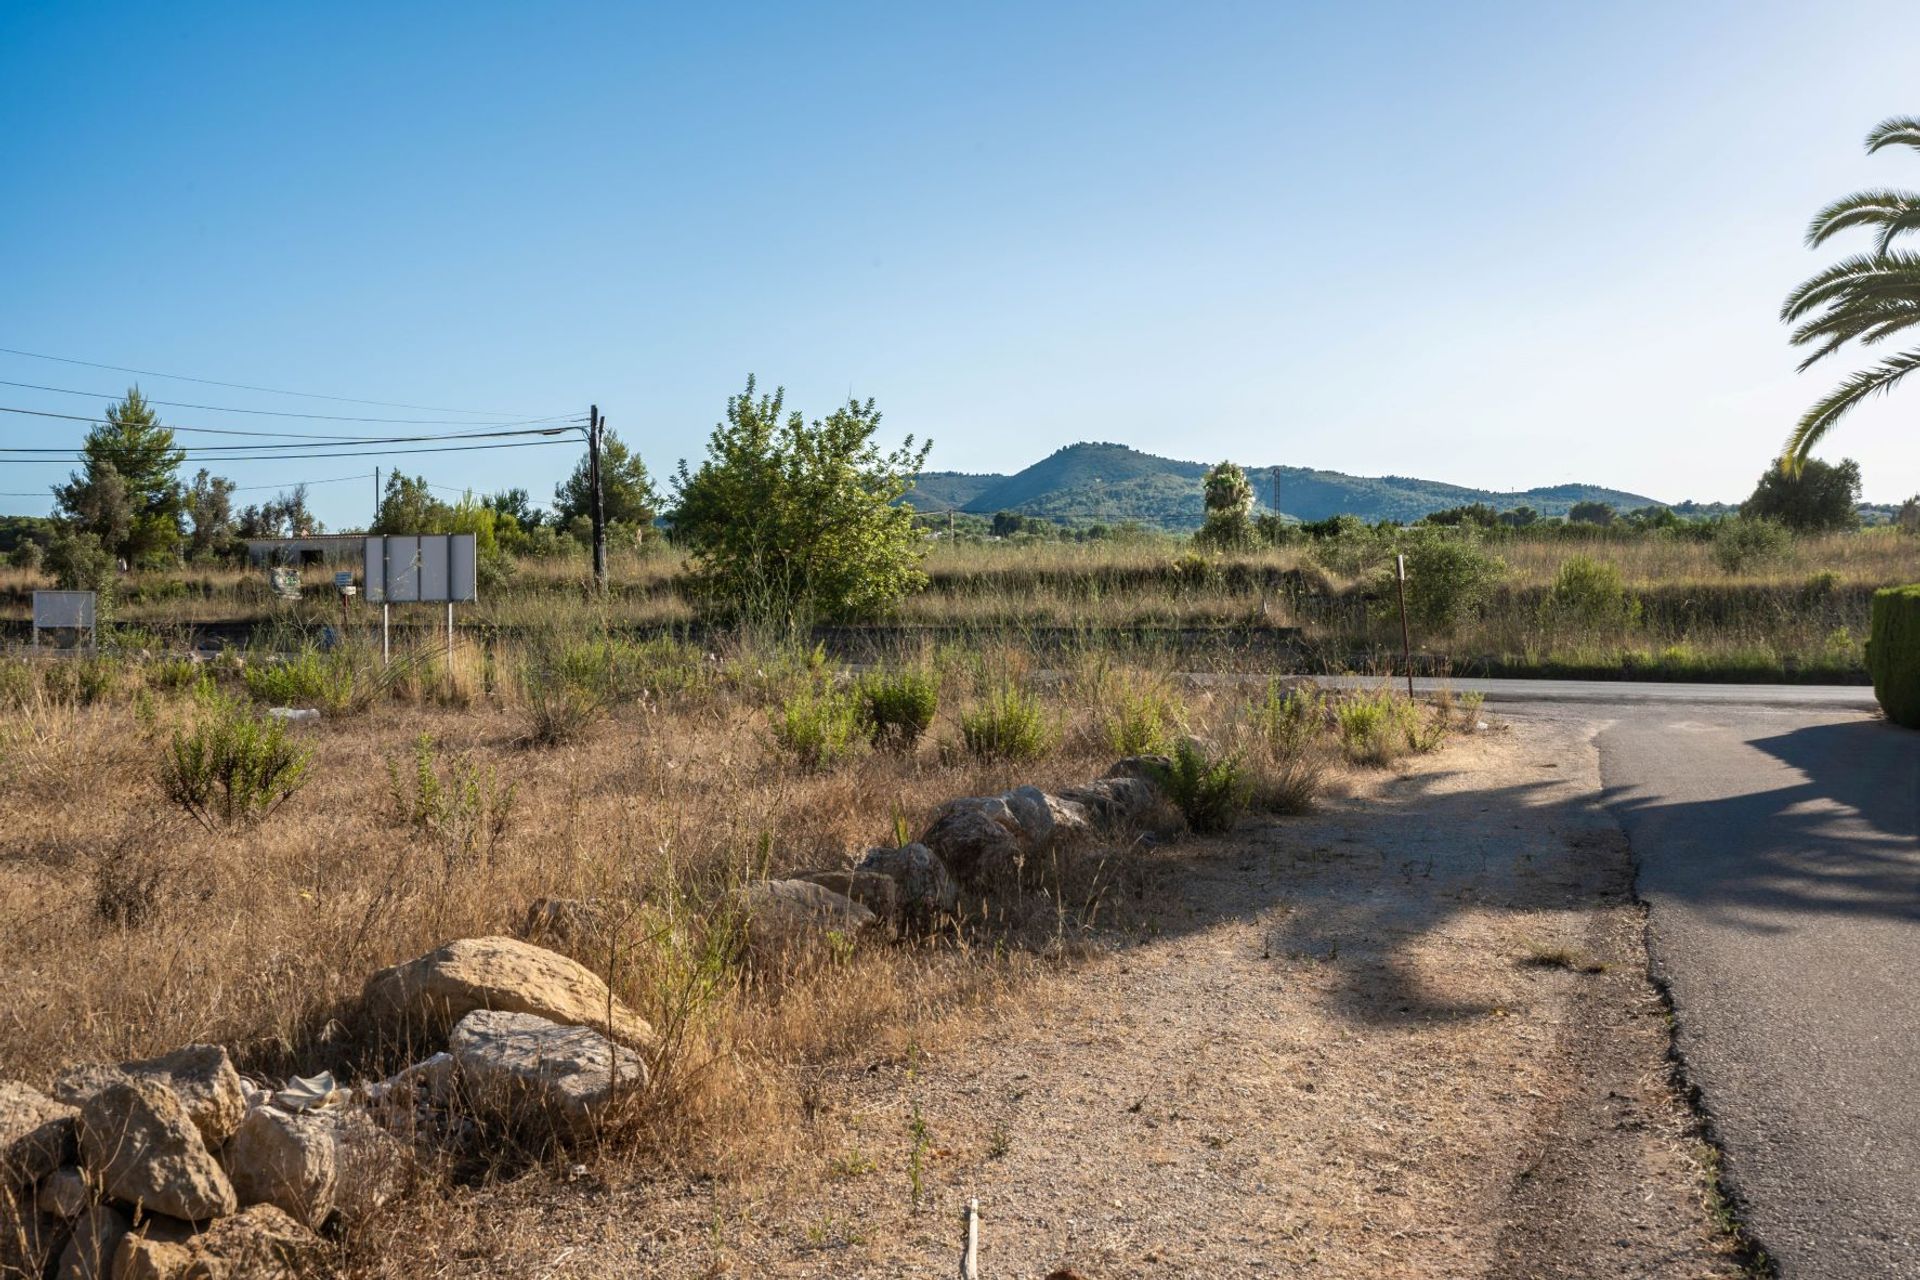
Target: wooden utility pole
{"x":1406,"y":636}
{"x":596,"y":425}
{"x":376,"y":498}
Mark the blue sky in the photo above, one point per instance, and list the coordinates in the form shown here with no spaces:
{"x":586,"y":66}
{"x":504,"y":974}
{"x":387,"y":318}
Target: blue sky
{"x":1495,"y":244}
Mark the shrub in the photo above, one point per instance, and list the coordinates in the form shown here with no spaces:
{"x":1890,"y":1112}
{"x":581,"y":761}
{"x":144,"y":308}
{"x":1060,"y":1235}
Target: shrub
{"x":1378,"y":728}
{"x":308,"y":679}
{"x":558,"y":711}
{"x":1289,"y":761}
{"x":1449,"y":577}
{"x":1142,"y":724}
{"x":1010,"y":725}
{"x":232,"y":769}
{"x":1289,"y":719}
{"x":1591,"y":594}
{"x":1893,"y":653}
{"x":460,"y":804}
{"x":1211,"y":791}
{"x":900,"y":706}
{"x":26,"y":555}
{"x":1740,"y":544}
{"x":821,"y":727}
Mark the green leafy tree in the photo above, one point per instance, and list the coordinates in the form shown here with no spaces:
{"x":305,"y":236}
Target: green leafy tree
{"x":133,"y":447}
{"x":210,"y":511}
{"x":786,"y":518}
{"x":408,"y":506}
{"x":1818,"y":497}
{"x":1600,"y":513}
{"x":627,"y":494}
{"x":1869,"y":297}
{"x":517,"y":504}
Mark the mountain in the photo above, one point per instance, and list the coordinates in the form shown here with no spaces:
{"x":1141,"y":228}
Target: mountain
{"x":1109,"y":483}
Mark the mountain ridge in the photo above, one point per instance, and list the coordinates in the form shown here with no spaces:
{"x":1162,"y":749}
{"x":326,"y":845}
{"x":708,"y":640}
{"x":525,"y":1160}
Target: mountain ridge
{"x":1108,"y":483}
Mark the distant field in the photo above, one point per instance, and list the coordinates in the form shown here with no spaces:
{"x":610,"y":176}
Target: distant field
{"x":1802,"y":615}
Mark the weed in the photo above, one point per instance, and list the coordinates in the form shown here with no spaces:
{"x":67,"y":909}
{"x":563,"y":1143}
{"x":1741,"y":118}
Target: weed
{"x":461,"y":804}
{"x":310,"y":678}
{"x":1378,"y":728}
{"x":900,"y":706}
{"x":821,"y":727}
{"x":1210,"y":791}
{"x":1142,"y":723}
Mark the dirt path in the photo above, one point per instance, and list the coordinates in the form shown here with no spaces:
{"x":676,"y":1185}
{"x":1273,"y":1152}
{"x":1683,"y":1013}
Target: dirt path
{"x":1410,"y":1036}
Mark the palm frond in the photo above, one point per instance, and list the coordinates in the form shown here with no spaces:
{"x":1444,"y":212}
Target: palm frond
{"x":1868,"y":323}
{"x":1898,"y":226}
{"x":1838,"y":402}
{"x":1895,"y":131}
{"x":1862,"y":208}
{"x":1863,"y":275}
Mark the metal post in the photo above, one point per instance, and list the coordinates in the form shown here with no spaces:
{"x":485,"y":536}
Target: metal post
{"x":1406,"y":637}
{"x":596,"y":426}
{"x":376,"y":497}
{"x":449,"y":639}
{"x":386,"y":634}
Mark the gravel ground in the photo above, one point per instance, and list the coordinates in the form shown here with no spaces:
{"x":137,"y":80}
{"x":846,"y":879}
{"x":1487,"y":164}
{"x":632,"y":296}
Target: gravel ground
{"x":1411,"y":1035}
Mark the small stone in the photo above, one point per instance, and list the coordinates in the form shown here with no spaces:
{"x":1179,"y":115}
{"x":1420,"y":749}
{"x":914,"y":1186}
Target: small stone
{"x":978,"y":838}
{"x":140,"y":1144}
{"x":526,"y":1071}
{"x":64,"y":1194}
{"x":36,"y":1134}
{"x":96,"y":1238}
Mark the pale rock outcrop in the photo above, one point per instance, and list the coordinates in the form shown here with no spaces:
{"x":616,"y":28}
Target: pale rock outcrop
{"x":142,"y":1148}
{"x":426,"y":996}
{"x":525,"y":1071}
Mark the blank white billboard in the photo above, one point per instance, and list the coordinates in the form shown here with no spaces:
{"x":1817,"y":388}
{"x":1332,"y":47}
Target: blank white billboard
{"x":422,"y":568}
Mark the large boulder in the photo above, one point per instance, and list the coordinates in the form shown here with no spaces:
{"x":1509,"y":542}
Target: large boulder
{"x":786,"y":916}
{"x":926,"y":891}
{"x":142,"y":1147}
{"x":537,"y":1076}
{"x":200,"y":1075}
{"x":96,"y":1238}
{"x":1044,"y":818}
{"x":427,"y":996}
{"x":36,"y":1134}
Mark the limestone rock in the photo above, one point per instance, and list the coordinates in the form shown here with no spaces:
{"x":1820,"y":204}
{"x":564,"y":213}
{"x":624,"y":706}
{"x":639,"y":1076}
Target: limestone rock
{"x":150,"y":1258}
{"x":140,"y":1144}
{"x":370,"y":1164}
{"x":878,"y":893}
{"x":65,"y":1194}
{"x":526,"y":1071}
{"x":978,"y":838}
{"x":787,"y":915}
{"x":96,"y":1238}
{"x":1044,"y":818}
{"x":1115,"y":802}
{"x":927,"y":892}
{"x":428,"y":995}
{"x":285,"y":1159}
{"x":201,"y":1075}
{"x":258,"y":1243}
{"x":36,"y":1134}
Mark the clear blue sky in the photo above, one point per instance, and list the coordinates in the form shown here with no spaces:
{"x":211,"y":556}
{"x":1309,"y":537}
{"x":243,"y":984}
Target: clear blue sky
{"x":1496,"y":244}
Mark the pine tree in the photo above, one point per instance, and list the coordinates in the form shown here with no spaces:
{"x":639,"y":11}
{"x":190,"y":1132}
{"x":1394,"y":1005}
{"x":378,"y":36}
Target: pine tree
{"x":127,"y":493}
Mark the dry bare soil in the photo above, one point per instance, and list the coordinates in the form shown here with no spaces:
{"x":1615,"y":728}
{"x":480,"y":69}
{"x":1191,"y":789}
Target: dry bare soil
{"x":1409,"y":1036}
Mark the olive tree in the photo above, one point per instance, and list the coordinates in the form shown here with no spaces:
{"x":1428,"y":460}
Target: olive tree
{"x":787,"y":519}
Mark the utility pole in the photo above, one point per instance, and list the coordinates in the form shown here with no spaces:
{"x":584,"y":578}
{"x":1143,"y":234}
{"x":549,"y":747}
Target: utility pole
{"x":376,"y":497}
{"x":1274,"y":474}
{"x":596,"y":425}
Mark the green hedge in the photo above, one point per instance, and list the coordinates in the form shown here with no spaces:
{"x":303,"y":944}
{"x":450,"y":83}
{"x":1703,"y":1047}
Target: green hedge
{"x":1893,"y":653}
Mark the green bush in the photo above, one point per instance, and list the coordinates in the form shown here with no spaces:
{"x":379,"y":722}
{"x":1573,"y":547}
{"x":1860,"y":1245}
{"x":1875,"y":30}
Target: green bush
{"x":1449,"y":577}
{"x":232,"y":769}
{"x":821,"y":727}
{"x":1590,"y":594}
{"x":1378,"y":728}
{"x":1010,"y":725}
{"x":900,"y":706}
{"x":1740,"y":544}
{"x":1289,"y":719}
{"x":1211,"y":791}
{"x":1893,"y":653}
{"x":1142,"y":723}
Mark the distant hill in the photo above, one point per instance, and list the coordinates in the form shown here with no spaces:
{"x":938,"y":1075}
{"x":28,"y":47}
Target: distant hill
{"x":1109,"y":483}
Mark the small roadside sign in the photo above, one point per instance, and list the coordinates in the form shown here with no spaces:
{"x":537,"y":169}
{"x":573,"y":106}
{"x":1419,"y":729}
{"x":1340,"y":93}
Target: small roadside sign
{"x":343,"y":579}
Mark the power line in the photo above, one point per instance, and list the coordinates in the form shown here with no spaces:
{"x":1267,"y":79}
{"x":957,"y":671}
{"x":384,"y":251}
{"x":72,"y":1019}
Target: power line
{"x":272,"y":391}
{"x":193,"y":456}
{"x":252,"y":488}
{"x":316,"y":438}
{"x":285,"y":413}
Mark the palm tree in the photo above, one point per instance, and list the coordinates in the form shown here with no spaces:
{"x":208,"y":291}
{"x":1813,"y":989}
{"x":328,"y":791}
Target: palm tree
{"x":1869,"y":296}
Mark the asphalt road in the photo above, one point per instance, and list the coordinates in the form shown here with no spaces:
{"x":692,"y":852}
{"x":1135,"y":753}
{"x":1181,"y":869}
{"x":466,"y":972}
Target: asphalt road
{"x":1777,"y":835}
